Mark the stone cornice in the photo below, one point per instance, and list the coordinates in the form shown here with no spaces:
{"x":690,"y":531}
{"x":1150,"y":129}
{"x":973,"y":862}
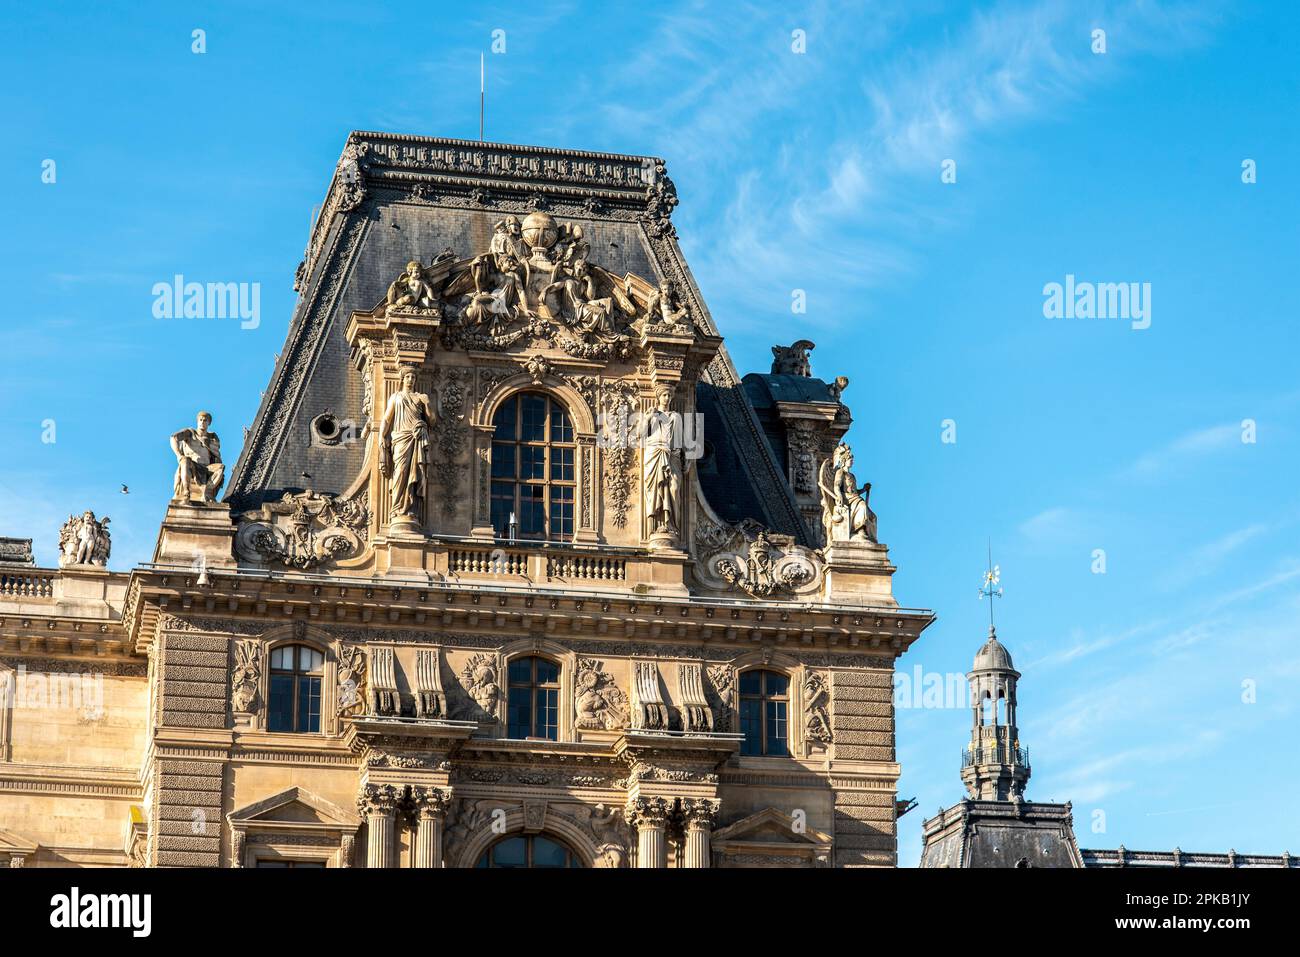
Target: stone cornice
{"x":370,"y":606}
{"x":81,"y":782}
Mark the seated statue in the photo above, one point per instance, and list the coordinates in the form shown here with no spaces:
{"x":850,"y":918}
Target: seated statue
{"x":846,"y":516}
{"x":199,"y":470}
{"x":411,"y":289}
{"x":662,"y":307}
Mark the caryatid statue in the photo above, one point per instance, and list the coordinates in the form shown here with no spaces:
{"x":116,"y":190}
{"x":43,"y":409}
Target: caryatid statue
{"x":662,"y":467}
{"x":199,"y":470}
{"x":846,"y":516}
{"x":404,"y":451}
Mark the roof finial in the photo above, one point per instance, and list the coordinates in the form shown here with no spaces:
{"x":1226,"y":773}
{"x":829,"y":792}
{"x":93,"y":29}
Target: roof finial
{"x":992,"y":587}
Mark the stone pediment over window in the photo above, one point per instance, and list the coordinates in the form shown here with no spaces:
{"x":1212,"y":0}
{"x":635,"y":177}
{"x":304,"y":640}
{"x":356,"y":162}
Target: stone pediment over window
{"x":14,"y":849}
{"x":771,"y":838}
{"x":292,"y":825}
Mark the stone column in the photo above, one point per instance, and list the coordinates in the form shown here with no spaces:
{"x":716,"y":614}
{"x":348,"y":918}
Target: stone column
{"x":700,"y":815}
{"x":650,"y":818}
{"x":377,"y":803}
{"x":431,"y":807}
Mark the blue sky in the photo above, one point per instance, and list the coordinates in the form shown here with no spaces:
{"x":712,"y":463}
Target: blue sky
{"x":817,"y":171}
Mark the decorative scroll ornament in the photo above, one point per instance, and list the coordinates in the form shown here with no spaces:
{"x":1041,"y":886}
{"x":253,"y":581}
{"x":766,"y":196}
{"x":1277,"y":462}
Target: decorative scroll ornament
{"x":598,"y":702}
{"x":760,"y":563}
{"x":246,"y":676}
{"x":303,"y":530}
{"x":649,"y":711}
{"x":816,"y":708}
{"x":83,"y":540}
{"x":696,"y":712}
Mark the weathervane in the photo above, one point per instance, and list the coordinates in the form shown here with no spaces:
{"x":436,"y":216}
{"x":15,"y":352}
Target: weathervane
{"x":992,"y":587}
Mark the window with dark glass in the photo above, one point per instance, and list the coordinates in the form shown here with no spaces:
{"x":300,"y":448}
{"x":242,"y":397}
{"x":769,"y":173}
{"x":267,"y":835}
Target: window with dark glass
{"x":533,"y":699}
{"x":764,"y":712}
{"x":294,"y":689}
{"x":528,"y":851}
{"x":533,"y":470}
{"x":272,"y":862}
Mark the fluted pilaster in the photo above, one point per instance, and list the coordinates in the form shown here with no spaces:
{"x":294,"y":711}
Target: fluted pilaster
{"x":431,"y":812}
{"x":377,"y":803}
{"x":650,"y":818}
{"x":699,"y":815}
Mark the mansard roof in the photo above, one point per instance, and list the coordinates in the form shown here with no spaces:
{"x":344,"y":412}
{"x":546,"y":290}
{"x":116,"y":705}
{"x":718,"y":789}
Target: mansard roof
{"x":394,"y":199}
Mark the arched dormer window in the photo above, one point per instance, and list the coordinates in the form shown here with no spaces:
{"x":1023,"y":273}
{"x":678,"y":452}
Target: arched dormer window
{"x":533,"y":698}
{"x":765,"y":713}
{"x":294,"y":689}
{"x":534,"y":476}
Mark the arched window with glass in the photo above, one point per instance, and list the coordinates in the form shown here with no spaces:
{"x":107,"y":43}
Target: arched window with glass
{"x":294,"y":689}
{"x":765,"y":713}
{"x":533,"y":472}
{"x":533,"y":699}
{"x":529,"y":850}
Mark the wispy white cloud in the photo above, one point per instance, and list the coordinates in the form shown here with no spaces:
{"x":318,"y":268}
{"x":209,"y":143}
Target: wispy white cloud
{"x":1050,"y":525}
{"x":1192,"y":445}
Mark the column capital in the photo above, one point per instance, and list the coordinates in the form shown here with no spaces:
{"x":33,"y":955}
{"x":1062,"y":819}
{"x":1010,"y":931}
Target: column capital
{"x":647,"y":812}
{"x":378,"y":799}
{"x":429,"y":802}
{"x":700,"y":812}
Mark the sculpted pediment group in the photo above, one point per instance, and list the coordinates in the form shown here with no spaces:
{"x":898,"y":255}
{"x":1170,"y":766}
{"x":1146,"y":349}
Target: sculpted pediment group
{"x":536,"y":281}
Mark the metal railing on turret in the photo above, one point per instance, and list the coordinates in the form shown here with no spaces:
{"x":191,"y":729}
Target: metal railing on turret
{"x":1002,"y":754}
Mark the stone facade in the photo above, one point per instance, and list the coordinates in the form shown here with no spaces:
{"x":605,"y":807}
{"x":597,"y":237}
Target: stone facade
{"x":698,"y":648}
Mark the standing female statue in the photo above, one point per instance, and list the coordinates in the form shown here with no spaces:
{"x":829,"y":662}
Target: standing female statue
{"x":662,"y":468}
{"x":846,"y":517}
{"x":404,"y":451}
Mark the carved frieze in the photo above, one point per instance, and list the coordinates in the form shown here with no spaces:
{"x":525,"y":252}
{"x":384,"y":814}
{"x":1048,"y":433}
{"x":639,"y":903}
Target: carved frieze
{"x":451,"y":435}
{"x":748,"y":558}
{"x":722,"y":679}
{"x":816,"y":709}
{"x":351,"y":695}
{"x":303,"y":530}
{"x":598,"y":702}
{"x":479,"y":679}
{"x":246,"y":676}
{"x":618,"y":400}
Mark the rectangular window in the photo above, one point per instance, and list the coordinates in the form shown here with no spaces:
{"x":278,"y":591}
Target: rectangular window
{"x":548,"y":714}
{"x":279,"y":710}
{"x":308,"y":704}
{"x":519,"y":706}
{"x":776,"y":728}
{"x":751,"y":726}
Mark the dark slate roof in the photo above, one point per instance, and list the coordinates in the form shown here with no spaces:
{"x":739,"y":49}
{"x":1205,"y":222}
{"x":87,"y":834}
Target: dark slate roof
{"x":396,"y":198}
{"x":765,"y":390}
{"x":1001,"y":834}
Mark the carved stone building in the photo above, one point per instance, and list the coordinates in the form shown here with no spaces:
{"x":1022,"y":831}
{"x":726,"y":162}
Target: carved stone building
{"x":514,"y":568}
